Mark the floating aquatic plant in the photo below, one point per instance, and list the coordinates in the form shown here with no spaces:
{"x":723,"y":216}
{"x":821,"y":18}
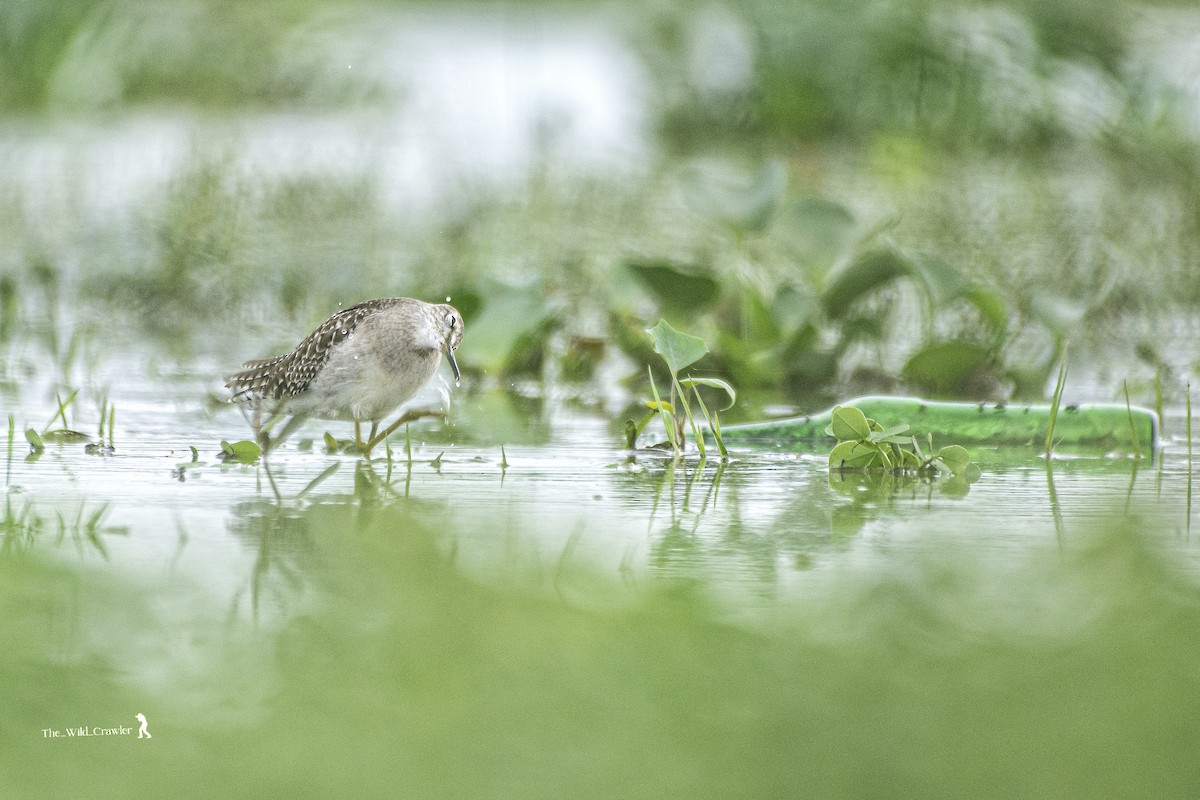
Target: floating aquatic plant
{"x":865,"y":445}
{"x":243,"y":452}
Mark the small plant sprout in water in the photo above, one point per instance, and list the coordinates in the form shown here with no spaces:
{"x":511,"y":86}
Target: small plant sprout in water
{"x":63,"y":435}
{"x":680,"y":350}
{"x":108,"y":417}
{"x":865,"y":446}
{"x":66,"y":435}
{"x":242,"y":452}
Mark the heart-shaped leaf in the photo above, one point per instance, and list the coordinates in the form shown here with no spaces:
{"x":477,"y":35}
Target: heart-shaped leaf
{"x":677,"y":348}
{"x":955,"y":457}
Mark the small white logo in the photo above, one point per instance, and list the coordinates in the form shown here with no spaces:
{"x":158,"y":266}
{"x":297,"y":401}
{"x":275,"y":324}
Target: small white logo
{"x":142,"y":732}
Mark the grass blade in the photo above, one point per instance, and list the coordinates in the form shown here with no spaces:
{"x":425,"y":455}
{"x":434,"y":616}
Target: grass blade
{"x":1133,"y":433}
{"x":697,"y":434}
{"x":668,"y":416}
{"x":1055,"y":403}
{"x":62,"y":409}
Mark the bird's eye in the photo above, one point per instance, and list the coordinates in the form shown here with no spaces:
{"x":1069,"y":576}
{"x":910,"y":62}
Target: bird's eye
{"x":450,"y":320}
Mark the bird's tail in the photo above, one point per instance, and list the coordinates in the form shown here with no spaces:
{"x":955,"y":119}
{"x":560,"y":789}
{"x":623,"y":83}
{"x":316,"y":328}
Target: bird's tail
{"x":252,"y":384}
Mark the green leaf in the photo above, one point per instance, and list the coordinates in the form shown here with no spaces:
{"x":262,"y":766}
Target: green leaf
{"x":659,"y":405}
{"x":883,"y":457}
{"x":955,"y":457}
{"x":678,"y":349}
{"x":792,"y":309}
{"x":893,"y":432}
{"x":755,"y":323}
{"x":35,"y":439}
{"x":849,"y":424}
{"x":674,"y":288}
{"x":243,"y":452}
{"x":1058,"y":314}
{"x":631,"y":433}
{"x":941,"y":281}
{"x":714,"y":383}
{"x":940,"y":466}
{"x":65,"y":436}
{"x":331,"y":443}
{"x":743,"y":202}
{"x":944,"y":367}
{"x":860,"y":278}
{"x":991,"y":307}
{"x":815,"y":232}
{"x":508,"y":328}
{"x":853,"y":455}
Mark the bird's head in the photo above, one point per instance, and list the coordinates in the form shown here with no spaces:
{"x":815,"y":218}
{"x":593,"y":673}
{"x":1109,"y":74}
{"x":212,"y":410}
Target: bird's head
{"x":452,"y":333}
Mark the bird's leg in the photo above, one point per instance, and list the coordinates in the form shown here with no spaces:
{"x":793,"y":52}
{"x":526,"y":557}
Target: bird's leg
{"x":261,"y":435}
{"x":364,"y":447}
{"x":290,"y":428}
{"x":407,"y":416}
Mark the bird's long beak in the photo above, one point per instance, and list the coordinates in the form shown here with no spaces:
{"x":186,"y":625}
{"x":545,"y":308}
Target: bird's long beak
{"x":453,"y":363}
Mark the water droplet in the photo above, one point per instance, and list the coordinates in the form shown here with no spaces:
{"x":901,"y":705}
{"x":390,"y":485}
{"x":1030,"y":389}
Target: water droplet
{"x":447,"y":298}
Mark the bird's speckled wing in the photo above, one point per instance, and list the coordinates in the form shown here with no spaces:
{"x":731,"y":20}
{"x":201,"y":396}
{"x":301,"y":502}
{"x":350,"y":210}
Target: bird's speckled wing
{"x":270,"y":380}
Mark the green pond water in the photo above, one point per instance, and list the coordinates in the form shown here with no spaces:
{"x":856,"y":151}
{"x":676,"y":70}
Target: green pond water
{"x":565,"y":619}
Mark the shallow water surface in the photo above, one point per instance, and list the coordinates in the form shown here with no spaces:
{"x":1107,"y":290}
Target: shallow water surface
{"x":552,"y":611}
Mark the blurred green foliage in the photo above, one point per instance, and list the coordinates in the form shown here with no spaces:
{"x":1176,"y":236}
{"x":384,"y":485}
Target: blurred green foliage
{"x":71,"y":55}
{"x":940,"y":277}
{"x":794,"y":328}
{"x":954,"y":73}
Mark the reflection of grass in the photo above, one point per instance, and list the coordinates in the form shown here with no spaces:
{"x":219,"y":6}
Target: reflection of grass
{"x":22,"y":528}
{"x":942,"y":679}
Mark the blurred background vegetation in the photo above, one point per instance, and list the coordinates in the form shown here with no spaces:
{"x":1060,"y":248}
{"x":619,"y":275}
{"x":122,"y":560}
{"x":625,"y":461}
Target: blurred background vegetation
{"x":938,"y":197}
{"x":926,"y":196}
